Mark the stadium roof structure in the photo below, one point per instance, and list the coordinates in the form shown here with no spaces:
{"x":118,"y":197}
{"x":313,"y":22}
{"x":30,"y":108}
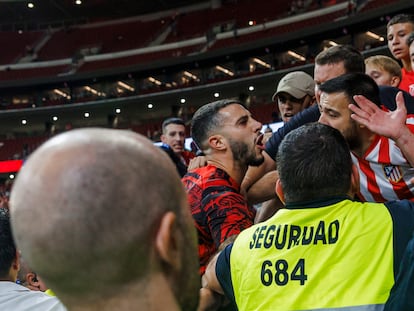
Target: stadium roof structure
{"x":40,"y":13}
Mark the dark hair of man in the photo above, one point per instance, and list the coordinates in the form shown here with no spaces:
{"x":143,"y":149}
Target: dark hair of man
{"x":206,"y":119}
{"x":400,"y":19}
{"x":314,"y":163}
{"x":7,"y":246}
{"x":410,"y":39}
{"x":171,"y":121}
{"x":350,"y":56}
{"x":353,"y":84}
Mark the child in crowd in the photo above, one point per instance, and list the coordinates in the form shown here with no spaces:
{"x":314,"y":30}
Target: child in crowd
{"x":384,"y":70}
{"x":410,"y":44}
{"x":398,"y":29}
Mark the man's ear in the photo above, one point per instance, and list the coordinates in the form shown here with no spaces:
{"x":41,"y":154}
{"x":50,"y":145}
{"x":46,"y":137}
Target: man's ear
{"x":355,"y":187}
{"x":279,"y":191}
{"x":166,"y":241}
{"x":162,"y":137}
{"x":217,"y":142}
{"x":32,"y":279}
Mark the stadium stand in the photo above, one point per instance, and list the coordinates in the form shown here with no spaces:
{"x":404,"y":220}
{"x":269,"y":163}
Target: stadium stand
{"x":18,"y":148}
{"x":115,"y":45}
{"x":119,"y":62}
{"x":17,"y":44}
{"x":371,"y":5}
{"x":32,"y":73}
{"x":102,"y":52}
{"x":227,"y":17}
{"x":100,"y":38}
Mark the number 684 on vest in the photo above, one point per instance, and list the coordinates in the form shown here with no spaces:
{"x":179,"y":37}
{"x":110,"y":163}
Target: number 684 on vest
{"x":280,"y":272}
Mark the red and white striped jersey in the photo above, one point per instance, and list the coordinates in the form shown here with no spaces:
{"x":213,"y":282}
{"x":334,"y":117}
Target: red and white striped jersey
{"x":384,"y":171}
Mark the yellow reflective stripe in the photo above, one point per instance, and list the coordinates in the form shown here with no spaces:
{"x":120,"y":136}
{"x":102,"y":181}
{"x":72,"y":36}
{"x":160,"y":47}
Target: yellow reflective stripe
{"x":378,"y":307}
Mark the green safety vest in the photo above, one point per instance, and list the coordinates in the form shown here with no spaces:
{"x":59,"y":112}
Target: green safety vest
{"x":337,"y":256}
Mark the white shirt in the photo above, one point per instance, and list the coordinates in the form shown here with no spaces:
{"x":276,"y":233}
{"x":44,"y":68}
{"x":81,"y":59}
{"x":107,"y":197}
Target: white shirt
{"x":14,"y":297}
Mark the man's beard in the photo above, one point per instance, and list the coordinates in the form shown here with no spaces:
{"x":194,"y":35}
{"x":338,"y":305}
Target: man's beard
{"x":243,"y":155}
{"x":352,"y":137}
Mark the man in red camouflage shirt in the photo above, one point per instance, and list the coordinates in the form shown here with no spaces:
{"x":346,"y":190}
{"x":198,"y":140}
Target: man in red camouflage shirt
{"x":231,"y":141}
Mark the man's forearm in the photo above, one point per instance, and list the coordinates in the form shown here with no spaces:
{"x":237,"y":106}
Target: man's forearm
{"x":254,"y":173}
{"x":263,"y":189}
{"x":406,"y":143}
{"x":209,"y":278}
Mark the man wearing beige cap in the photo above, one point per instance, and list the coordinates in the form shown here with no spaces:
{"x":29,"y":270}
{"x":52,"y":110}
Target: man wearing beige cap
{"x":295,"y":92}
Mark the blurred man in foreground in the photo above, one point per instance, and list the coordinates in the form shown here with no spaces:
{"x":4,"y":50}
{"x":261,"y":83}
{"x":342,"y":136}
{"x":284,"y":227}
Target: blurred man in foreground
{"x":108,"y":240}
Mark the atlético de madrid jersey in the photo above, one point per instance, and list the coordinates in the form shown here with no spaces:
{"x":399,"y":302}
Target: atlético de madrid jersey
{"x":384,"y":172}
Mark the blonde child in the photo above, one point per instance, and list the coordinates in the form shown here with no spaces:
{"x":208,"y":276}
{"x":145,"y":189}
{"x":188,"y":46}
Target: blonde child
{"x":383,"y":69}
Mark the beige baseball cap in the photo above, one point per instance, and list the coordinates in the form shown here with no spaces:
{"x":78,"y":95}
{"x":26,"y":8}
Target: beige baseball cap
{"x":297,"y":84}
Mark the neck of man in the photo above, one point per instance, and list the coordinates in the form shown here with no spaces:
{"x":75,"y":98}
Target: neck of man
{"x":142,"y":296}
{"x":12,"y":274}
{"x":230,"y":166}
{"x":367,"y":138}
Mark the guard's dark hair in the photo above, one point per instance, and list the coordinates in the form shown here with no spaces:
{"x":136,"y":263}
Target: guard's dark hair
{"x":350,"y":56}
{"x":353,"y":84}
{"x":314,"y":163}
{"x":7,"y":246}
{"x":206,"y":119}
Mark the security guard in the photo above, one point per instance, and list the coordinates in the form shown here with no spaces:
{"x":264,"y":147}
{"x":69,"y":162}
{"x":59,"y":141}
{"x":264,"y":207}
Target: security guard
{"x":324,"y":251}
